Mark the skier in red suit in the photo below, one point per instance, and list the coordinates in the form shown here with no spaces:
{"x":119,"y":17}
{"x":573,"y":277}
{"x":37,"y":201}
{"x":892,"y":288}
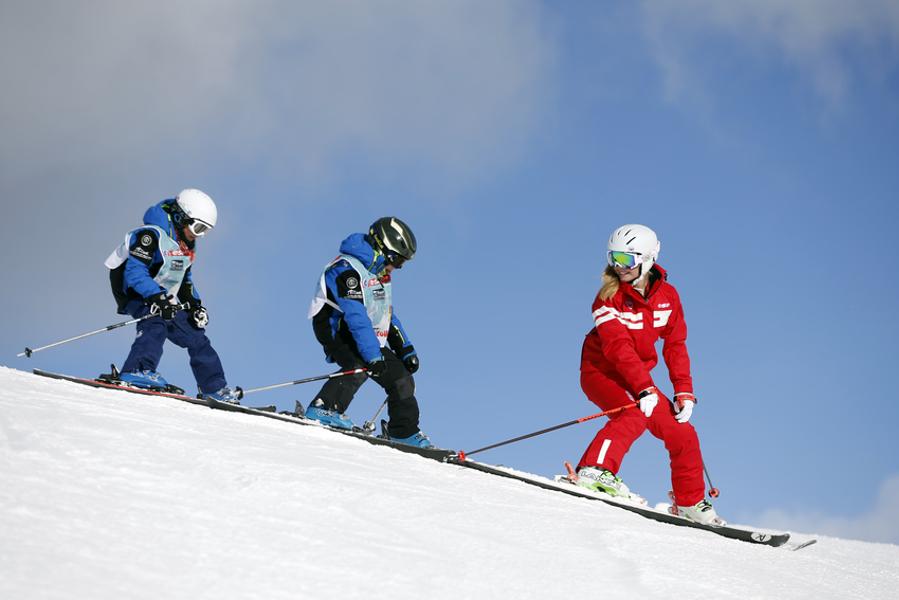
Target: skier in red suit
{"x":633,"y":309}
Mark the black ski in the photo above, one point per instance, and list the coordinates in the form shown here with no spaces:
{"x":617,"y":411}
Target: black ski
{"x":452,"y":457}
{"x":269,"y":412}
{"x":744,"y":535}
{"x":110,"y":385}
{"x":438,"y":454}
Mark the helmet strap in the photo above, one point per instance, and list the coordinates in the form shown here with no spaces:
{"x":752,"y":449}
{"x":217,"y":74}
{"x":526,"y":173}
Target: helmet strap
{"x":642,"y":282}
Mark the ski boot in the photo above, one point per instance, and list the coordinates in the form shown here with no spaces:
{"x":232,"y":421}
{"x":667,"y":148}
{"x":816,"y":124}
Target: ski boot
{"x":331,"y":418}
{"x":148,"y":380}
{"x":416,"y":439}
{"x":701,"y":512}
{"x":225,"y":394}
{"x":603,"y":480}
{"x":144,"y":380}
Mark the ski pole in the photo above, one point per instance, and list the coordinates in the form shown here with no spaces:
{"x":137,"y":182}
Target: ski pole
{"x":713,"y":491}
{"x":29,"y":351}
{"x":242,"y":392}
{"x":462,"y":455}
{"x":369,"y":426}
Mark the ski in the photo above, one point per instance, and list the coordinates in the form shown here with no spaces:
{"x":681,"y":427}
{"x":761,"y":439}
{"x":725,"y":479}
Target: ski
{"x":438,"y":454}
{"x":269,"y":412}
{"x":566,"y":487}
{"x":98,"y":383}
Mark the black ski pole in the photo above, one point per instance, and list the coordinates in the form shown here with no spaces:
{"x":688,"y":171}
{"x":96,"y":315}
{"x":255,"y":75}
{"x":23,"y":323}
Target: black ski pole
{"x":242,"y":392}
{"x":462,"y":454}
{"x":29,"y":351}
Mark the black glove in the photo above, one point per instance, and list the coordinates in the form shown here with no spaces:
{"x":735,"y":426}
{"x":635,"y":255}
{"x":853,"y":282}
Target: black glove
{"x":377,"y":367}
{"x":199,"y":318}
{"x":161,"y":306}
{"x":409,"y":358}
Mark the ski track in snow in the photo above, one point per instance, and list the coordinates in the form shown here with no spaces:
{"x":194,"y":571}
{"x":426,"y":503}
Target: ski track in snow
{"x":106,"y":494}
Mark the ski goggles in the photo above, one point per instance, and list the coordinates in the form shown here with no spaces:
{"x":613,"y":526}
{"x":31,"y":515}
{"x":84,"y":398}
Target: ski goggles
{"x":198,"y":228}
{"x":394,"y":259}
{"x":624,"y":260}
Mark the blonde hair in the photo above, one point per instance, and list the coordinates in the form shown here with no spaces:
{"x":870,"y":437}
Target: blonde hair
{"x":610,"y":284}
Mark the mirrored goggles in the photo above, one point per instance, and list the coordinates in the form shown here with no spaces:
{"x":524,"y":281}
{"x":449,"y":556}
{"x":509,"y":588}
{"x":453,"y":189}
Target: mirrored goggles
{"x":625,"y":260}
{"x":198,"y":228}
{"x":394,"y":259}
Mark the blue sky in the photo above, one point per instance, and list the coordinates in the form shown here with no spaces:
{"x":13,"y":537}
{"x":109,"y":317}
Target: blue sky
{"x":759,"y":139}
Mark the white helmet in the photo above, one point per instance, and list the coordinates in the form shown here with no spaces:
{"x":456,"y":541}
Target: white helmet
{"x":630,"y":245}
{"x":199,"y":209}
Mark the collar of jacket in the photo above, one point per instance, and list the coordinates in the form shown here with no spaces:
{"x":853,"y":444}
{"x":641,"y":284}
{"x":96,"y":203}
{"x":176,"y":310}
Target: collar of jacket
{"x":655,"y":282}
{"x":358,"y":246}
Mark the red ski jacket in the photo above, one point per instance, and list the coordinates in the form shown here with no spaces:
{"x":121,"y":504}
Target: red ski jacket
{"x":622,"y":344}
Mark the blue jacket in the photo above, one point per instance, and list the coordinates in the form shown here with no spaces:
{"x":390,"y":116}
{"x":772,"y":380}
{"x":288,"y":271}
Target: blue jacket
{"x":354,"y":314}
{"x":138,"y":274}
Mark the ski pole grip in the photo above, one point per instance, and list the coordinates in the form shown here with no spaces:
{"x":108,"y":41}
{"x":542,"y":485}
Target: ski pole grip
{"x":239,"y":392}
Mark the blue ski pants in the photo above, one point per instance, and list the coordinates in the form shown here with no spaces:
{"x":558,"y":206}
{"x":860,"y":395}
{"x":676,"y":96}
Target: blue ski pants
{"x":146,"y":351}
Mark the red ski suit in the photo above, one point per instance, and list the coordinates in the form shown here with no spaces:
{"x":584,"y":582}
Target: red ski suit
{"x":616,"y":361}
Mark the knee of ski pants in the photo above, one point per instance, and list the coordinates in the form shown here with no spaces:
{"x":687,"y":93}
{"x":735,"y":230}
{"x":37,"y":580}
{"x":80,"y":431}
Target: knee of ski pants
{"x":184,"y":335}
{"x":678,"y":437}
{"x":402,"y":388}
{"x":350,"y":383}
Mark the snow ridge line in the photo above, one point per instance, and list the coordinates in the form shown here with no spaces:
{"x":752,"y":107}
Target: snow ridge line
{"x":459,"y":459}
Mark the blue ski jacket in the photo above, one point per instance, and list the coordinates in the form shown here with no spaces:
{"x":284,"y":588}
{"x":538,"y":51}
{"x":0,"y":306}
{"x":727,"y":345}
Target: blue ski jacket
{"x":138,"y":274}
{"x":353,"y":314}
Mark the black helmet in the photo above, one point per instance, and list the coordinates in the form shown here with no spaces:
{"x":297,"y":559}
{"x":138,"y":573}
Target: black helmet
{"x":394,"y":239}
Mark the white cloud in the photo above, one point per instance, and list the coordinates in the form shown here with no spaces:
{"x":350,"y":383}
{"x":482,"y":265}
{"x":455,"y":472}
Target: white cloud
{"x":109,"y":106}
{"x":451,"y":84}
{"x":817,"y":38}
{"x":879,"y":524}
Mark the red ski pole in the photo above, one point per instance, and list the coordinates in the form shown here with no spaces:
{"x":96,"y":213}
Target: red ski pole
{"x":463,"y":454}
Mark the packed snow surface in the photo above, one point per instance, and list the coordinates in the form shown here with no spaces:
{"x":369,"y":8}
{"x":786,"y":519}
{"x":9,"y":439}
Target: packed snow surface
{"x":105,"y":494}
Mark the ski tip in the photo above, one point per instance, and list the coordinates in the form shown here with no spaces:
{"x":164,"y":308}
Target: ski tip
{"x":804,"y":544}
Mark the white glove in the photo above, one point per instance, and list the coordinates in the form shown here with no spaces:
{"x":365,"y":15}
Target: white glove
{"x":683,"y":406}
{"x":648,"y":399}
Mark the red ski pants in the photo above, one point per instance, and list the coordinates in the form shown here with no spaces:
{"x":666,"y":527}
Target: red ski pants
{"x":608,"y":448}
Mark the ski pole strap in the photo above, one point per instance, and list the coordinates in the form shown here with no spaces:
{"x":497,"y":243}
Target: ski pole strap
{"x":242,"y":392}
{"x":548,"y":429}
{"x":29,"y":351}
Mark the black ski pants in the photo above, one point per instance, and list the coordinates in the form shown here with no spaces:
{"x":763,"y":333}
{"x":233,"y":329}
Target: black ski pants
{"x":402,"y":407}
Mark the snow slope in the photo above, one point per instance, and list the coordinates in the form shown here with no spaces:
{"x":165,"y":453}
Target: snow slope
{"x":105,"y":494}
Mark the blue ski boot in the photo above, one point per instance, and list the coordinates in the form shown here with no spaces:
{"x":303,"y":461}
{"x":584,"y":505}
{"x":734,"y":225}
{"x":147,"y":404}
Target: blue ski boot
{"x":416,"y":439}
{"x":147,"y":380}
{"x":331,"y":418}
{"x":225,"y":394}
